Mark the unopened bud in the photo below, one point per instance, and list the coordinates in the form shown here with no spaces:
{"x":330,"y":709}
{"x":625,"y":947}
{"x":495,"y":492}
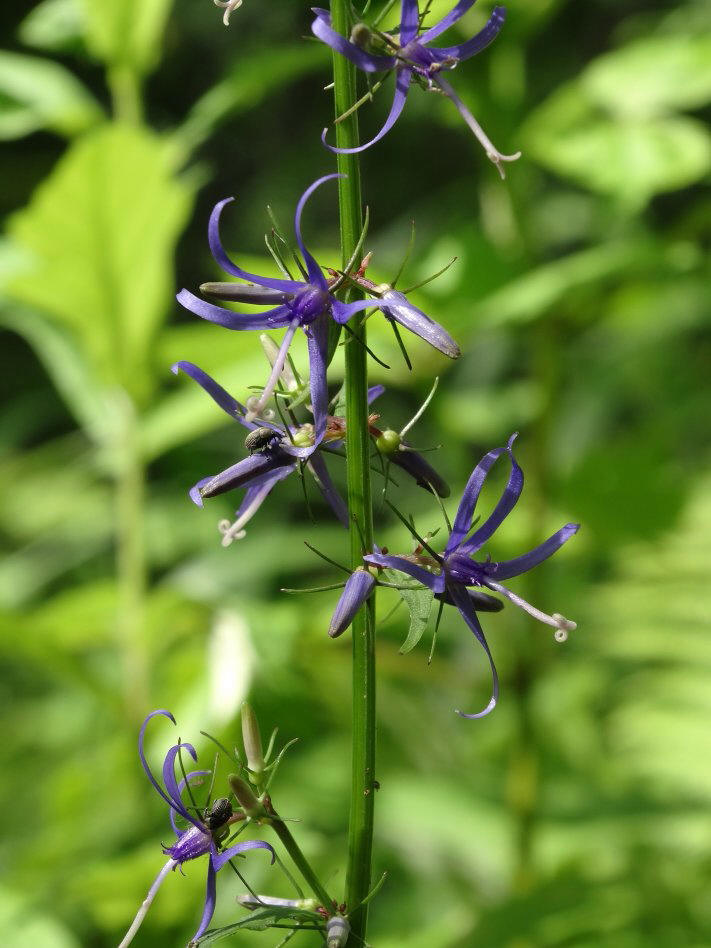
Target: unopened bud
{"x":244,"y":795}
{"x":357,"y":589}
{"x":388,"y":442}
{"x":361,"y":34}
{"x":252,"y":741}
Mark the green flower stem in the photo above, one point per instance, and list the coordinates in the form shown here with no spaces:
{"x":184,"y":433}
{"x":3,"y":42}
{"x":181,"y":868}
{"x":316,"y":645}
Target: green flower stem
{"x":299,"y":860}
{"x":360,"y":508}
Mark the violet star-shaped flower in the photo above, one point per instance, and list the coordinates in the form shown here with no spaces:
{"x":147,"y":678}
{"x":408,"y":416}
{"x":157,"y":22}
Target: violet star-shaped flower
{"x":413,"y":58}
{"x":202,"y":837}
{"x":273,"y":458}
{"x":275,"y":453}
{"x":450,"y":573}
{"x":308,"y":304}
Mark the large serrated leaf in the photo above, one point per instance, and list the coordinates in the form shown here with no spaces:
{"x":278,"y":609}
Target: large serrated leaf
{"x":418,"y":600}
{"x":100,"y":234}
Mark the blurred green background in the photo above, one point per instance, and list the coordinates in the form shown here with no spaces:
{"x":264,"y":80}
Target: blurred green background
{"x":578,"y":813}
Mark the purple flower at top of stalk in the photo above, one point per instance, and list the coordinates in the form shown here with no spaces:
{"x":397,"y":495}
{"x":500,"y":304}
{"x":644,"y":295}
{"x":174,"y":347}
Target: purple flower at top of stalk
{"x":203,"y":836}
{"x":409,"y":53}
{"x":450,"y":573}
{"x":308,"y":304}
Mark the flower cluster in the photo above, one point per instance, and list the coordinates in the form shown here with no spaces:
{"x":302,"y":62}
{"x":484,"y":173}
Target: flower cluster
{"x":204,"y":835}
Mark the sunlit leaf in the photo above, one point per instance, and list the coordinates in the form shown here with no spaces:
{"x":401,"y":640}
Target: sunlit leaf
{"x":55,"y":25}
{"x":126,"y":32}
{"x":101,"y":232}
{"x":419,"y":603}
{"x":652,"y":76}
{"x":40,"y":94}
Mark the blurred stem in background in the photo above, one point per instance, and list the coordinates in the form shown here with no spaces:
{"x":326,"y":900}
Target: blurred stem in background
{"x":360,"y":508}
{"x":524,"y":781}
{"x":131,"y":562}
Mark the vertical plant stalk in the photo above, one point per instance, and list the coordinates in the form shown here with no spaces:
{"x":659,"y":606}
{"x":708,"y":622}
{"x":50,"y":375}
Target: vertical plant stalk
{"x":360,"y":507}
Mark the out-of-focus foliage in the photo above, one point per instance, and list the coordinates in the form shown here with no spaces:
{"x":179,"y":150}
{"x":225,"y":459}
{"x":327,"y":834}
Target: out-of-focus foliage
{"x":577,"y":814}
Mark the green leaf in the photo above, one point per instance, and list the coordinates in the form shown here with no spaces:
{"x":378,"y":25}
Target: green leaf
{"x":632,"y":161}
{"x":652,"y":76}
{"x":54,"y":25}
{"x":126,"y":32}
{"x":101,"y":232}
{"x":418,"y":600}
{"x":40,"y":94}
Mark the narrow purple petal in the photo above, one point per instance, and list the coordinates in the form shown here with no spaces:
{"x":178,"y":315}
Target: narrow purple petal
{"x":218,"y":252}
{"x":402,"y":84}
{"x":209,"y":907}
{"x":463,"y":603}
{"x":317,"y":337}
{"x":218,"y":860}
{"x":478,"y":42}
{"x":245,"y":471}
{"x":444,"y":24}
{"x":409,"y":21}
{"x":396,"y":305}
{"x":463,"y":520}
{"x":171,"y":784}
{"x":216,"y":392}
{"x":245,"y":293}
{"x":521,"y":564}
{"x":423,"y":472}
{"x":375,"y":391}
{"x":194,"y":492}
{"x":142,"y":756}
{"x":314,"y":270}
{"x":321,"y":28}
{"x":357,"y":589}
{"x":433,"y":581}
{"x":342,"y":312}
{"x":181,"y":787}
{"x":277,"y":318}
{"x":506,"y":504}
{"x":318,"y":468}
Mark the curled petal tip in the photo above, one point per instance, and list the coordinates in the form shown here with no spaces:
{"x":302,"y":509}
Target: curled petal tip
{"x":480,"y":714}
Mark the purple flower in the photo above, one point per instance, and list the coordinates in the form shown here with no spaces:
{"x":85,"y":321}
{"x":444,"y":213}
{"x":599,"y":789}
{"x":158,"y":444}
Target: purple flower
{"x":308,"y":304}
{"x":276,"y":454}
{"x":203,"y":836}
{"x":412,"y":58}
{"x":450,"y":574}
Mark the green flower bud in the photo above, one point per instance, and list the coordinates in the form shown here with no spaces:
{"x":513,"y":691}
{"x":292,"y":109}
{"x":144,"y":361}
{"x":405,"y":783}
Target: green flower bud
{"x":252,"y":740}
{"x":388,"y":442}
{"x":245,"y":796}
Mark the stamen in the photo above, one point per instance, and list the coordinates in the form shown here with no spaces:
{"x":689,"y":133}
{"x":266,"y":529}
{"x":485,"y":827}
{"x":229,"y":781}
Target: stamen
{"x":255,"y":410}
{"x":236,"y":531}
{"x":146,"y":904}
{"x":557,"y":621}
{"x":229,"y":6}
